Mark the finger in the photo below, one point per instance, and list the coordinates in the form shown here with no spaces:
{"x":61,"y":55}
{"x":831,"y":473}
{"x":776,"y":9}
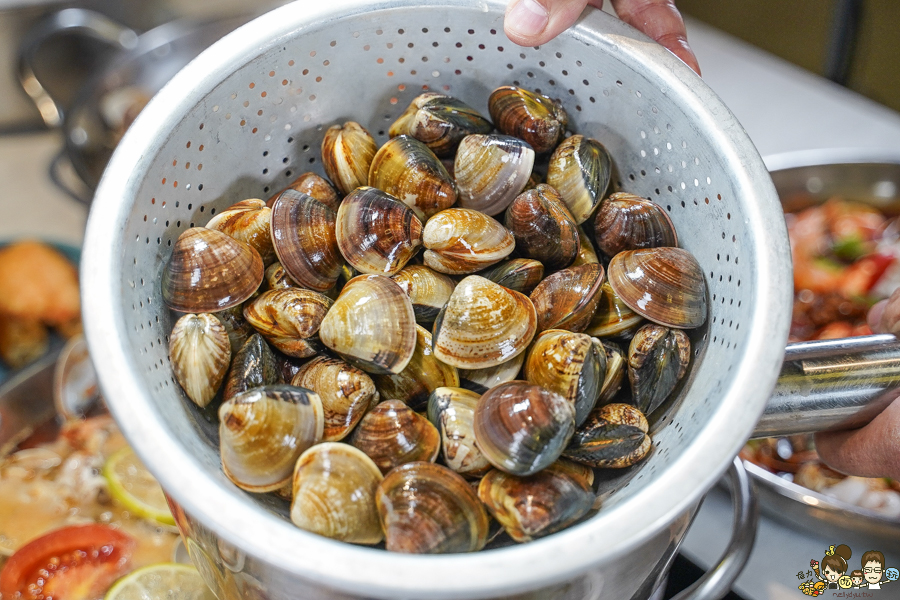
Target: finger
{"x":889,"y":318}
{"x":660,"y":20}
{"x":874,"y":316}
{"x":871,"y":451}
{"x":536,"y":22}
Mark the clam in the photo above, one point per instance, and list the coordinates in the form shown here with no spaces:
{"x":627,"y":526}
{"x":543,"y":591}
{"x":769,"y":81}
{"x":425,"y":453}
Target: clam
{"x":407,"y":170}
{"x":569,"y":364}
{"x":254,"y":365}
{"x":347,"y":153}
{"x":371,"y":325}
{"x":628,"y":222}
{"x":427,"y":289}
{"x":199,"y":351}
{"x":288,"y":366}
{"x":658,"y":358}
{"x":428,"y":509}
{"x":422,"y":375}
{"x":440,"y":122}
{"x":263,"y":431}
{"x":392,"y":434}
{"x":237,"y":327}
{"x":568,"y":298}
{"x":303,"y":232}
{"x":481,"y":380}
{"x":312,"y":185}
{"x":377,"y":233}
{"x":586,"y":253}
{"x":491,"y":170}
{"x":277,"y":277}
{"x":664,"y":285}
{"x":540,"y":504}
{"x":532,"y":117}
{"x":613,"y":318}
{"x":483,"y":325}
{"x":209,"y":271}
{"x":460,"y":241}
{"x":452,"y":411}
{"x":519,"y":274}
{"x":580,"y":170}
{"x":614,"y":437}
{"x":543,"y":227}
{"x":522,"y":428}
{"x":289,"y":319}
{"x":346,"y":393}
{"x":334,"y":494}
{"x":247,"y":221}
{"x":616,"y":362}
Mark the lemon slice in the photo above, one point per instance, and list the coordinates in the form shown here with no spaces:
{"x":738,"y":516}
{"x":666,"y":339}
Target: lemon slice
{"x":132,"y":485}
{"x":165,"y":581}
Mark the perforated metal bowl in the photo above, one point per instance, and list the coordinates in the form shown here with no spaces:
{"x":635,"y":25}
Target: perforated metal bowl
{"x":248,"y":116}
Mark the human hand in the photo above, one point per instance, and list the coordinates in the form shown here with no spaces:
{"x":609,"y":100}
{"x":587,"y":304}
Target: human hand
{"x":535,"y":22}
{"x":873,"y":450}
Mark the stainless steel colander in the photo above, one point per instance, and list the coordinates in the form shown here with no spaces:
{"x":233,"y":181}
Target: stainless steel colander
{"x":248,"y":115}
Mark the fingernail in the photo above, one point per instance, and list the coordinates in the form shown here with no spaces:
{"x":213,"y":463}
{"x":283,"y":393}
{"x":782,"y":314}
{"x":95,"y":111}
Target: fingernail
{"x":527,"y":18}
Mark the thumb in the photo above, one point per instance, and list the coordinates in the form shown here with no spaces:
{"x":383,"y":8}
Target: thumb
{"x":536,"y":22}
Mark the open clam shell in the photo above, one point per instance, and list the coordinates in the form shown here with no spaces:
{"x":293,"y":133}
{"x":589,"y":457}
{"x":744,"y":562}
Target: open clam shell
{"x":263,"y":431}
{"x":312,"y":185}
{"x":613,"y":437}
{"x":254,"y":365}
{"x":347,"y":153}
{"x":664,"y":285}
{"x":440,"y":122}
{"x":200,"y":351}
{"x":371,"y":325}
{"x":428,"y":509}
{"x":580,"y":170}
{"x":569,"y":298}
{"x":427,"y":289}
{"x":519,"y":274}
{"x":247,"y":221}
{"x":392,"y":434}
{"x":628,"y":222}
{"x":346,"y":393}
{"x":491,"y":170}
{"x":543,"y":227}
{"x":376,"y":233}
{"x":209,"y":271}
{"x":613,"y":319}
{"x":481,"y":380}
{"x":289,"y":319}
{"x":303,"y":233}
{"x":452,"y":411}
{"x":460,"y":241}
{"x":483,"y":325}
{"x":407,"y":170}
{"x":532,"y":117}
{"x":658,"y":358}
{"x":334,"y":494}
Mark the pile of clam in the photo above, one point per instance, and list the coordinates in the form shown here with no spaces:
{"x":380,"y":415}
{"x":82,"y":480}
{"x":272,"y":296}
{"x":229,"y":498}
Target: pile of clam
{"x":435,"y":337}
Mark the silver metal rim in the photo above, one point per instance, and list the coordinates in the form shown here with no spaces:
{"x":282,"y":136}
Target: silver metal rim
{"x":613,"y":533}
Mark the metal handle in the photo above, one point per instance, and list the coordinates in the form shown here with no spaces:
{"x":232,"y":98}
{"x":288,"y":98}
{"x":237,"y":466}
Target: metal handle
{"x":73,"y":20}
{"x":832,"y":384}
{"x":59,"y":173}
{"x":718,"y":580}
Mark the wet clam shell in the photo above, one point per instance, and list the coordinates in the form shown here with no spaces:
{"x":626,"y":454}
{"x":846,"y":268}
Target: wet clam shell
{"x":491,"y":170}
{"x":312,"y":185}
{"x":481,"y":380}
{"x":616,"y":362}
{"x":440,"y":122}
{"x":664,"y":285}
{"x":483,"y":325}
{"x":209,"y":271}
{"x":334,"y":489}
{"x":586,"y":253}
{"x":428,"y":509}
{"x":628,"y":222}
{"x":452,"y":411}
{"x":569,"y":298}
{"x":538,"y":505}
{"x":580,"y":170}
{"x":237,"y":327}
{"x":519,"y":274}
{"x":544,"y":228}
{"x":347,"y":153}
{"x":422,"y":375}
{"x":199,"y":350}
{"x":277,"y":277}
{"x":534,"y":118}
{"x":303,"y":232}
{"x":613,"y":318}
{"x":262,"y":433}
{"x":407,"y":170}
{"x":522,"y":428}
{"x":376,"y":233}
{"x":460,"y":241}
{"x":346,"y":393}
{"x":614,"y":437}
{"x":371,"y":325}
{"x":248,"y":221}
{"x":427,"y":289}
{"x":289,"y":319}
{"x":658,"y":358}
{"x":392,"y":434}
{"x":569,"y":364}
{"x":254,"y":365}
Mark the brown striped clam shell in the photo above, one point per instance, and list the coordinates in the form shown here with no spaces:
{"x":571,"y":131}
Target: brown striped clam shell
{"x":532,"y":117}
{"x":628,"y":222}
{"x":392,"y":434}
{"x":440,"y":122}
{"x":460,"y":241}
{"x":452,"y":411}
{"x":613,"y":437}
{"x":519,"y":274}
{"x":289,"y":319}
{"x":277,"y":277}
{"x":544,"y":228}
{"x":568,"y":298}
{"x":481,"y":380}
{"x":580,"y":170}
{"x":254,"y":365}
{"x":658,"y":358}
{"x":613,"y":318}
{"x":314,"y":186}
{"x":427,"y":289}
{"x":616,"y":366}
{"x":491,"y":170}
{"x":237,"y":327}
{"x":200,"y":351}
{"x":347,"y":153}
{"x":303,"y":232}
{"x":248,"y":221}
{"x":586,"y":253}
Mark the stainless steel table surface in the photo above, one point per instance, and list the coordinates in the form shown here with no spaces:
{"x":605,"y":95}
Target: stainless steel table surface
{"x":782,"y":107}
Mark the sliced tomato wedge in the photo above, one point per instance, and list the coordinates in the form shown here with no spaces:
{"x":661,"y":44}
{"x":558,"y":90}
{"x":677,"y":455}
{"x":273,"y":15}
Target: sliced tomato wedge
{"x":79,"y":562}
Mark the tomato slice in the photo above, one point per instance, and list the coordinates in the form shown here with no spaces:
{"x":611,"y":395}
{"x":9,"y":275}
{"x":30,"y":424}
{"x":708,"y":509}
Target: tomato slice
{"x":73,"y":563}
